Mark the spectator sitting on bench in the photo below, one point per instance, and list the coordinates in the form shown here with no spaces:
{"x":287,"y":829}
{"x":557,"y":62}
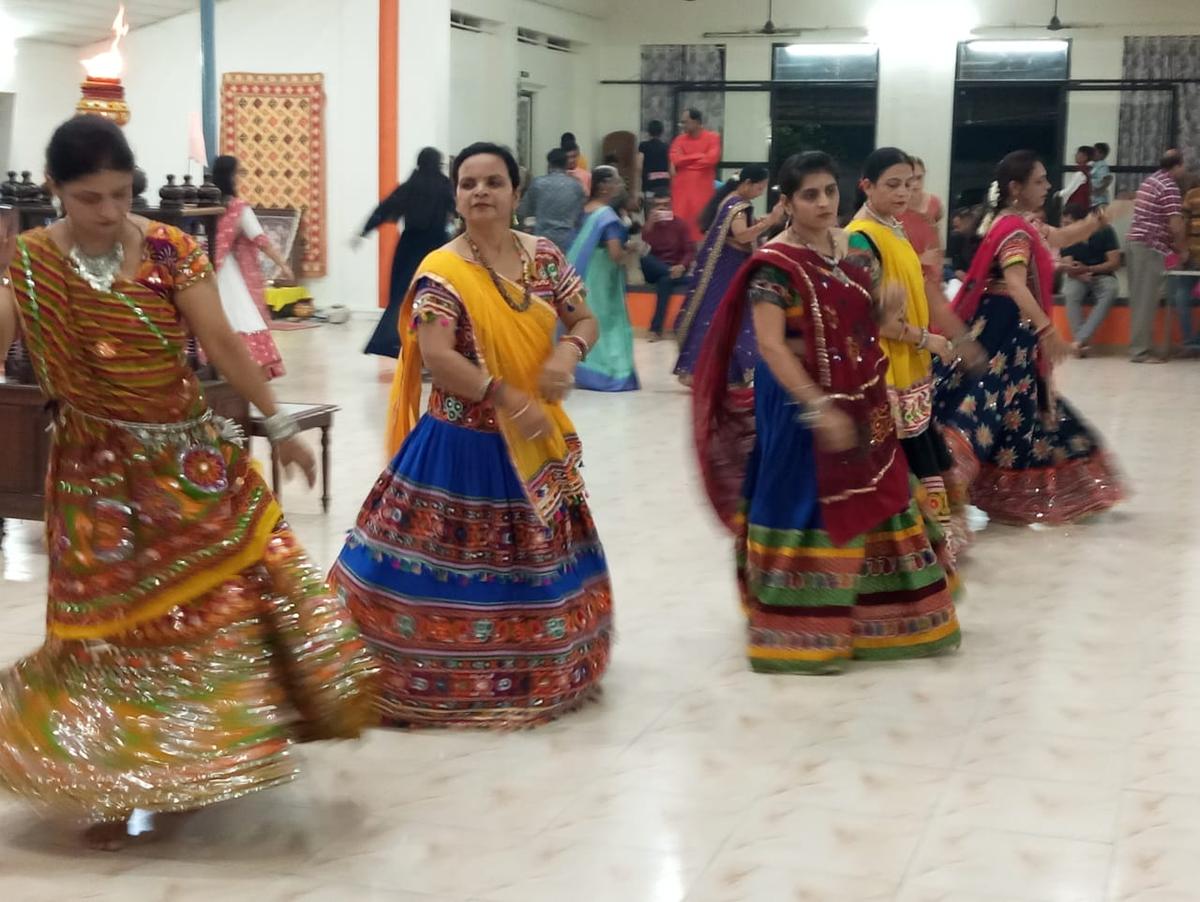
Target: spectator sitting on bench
{"x":671,"y":253}
{"x":1091,"y":271}
{"x":962,"y":242}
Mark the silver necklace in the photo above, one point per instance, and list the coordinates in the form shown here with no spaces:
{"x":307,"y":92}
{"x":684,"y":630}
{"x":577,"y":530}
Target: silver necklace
{"x":831,"y":259}
{"x":99,"y":271}
{"x":894,"y":224}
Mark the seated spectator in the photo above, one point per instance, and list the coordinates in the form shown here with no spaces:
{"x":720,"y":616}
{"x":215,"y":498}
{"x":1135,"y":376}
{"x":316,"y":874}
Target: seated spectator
{"x":1091,"y":271}
{"x":962,"y":242}
{"x":671,"y":253}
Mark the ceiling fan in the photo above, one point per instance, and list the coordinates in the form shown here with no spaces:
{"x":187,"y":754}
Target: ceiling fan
{"x":1055,"y":24}
{"x":770,"y":30}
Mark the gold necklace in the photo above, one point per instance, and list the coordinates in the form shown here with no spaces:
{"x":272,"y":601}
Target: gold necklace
{"x":526,"y":273}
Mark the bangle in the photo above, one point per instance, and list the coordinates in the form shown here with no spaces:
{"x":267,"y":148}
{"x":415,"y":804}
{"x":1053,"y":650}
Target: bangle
{"x":1044,"y":330}
{"x":813,"y":410}
{"x":578,"y":344}
{"x":280,"y":427}
{"x":522,"y":411}
{"x":924,"y":340}
{"x":491,"y":385}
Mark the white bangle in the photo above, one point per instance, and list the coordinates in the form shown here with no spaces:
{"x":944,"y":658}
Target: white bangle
{"x":280,"y":427}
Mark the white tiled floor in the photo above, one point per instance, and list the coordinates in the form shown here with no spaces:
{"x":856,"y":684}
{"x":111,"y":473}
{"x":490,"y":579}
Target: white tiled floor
{"x":1053,"y":759}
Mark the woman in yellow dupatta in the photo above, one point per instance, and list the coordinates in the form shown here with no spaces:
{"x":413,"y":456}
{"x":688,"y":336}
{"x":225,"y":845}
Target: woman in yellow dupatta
{"x":475,"y":569}
{"x":878,"y":243}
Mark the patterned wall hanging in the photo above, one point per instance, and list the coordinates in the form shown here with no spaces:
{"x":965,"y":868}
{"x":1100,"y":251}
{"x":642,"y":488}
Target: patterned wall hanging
{"x":275,"y":126}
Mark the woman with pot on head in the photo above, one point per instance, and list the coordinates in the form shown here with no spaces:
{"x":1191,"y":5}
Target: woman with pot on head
{"x":240,"y":239}
{"x":880,"y":245}
{"x":190,"y":644}
{"x":804,"y":467}
{"x":425,"y":203}
{"x":475,"y":569}
{"x":1038,"y":461}
{"x":599,"y":253}
{"x":730,"y":235}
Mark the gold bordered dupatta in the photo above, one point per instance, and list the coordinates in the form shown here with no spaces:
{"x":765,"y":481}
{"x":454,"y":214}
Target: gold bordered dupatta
{"x":907,"y":365}
{"x":512,"y":346}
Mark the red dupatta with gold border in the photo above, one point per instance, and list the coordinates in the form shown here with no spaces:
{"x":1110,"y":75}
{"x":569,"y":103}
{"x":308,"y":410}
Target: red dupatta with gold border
{"x":859,"y":488}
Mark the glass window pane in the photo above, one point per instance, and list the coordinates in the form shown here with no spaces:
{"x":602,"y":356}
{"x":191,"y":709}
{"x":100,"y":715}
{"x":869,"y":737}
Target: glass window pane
{"x":1039,"y":60}
{"x":838,"y":119}
{"x":826,"y":62}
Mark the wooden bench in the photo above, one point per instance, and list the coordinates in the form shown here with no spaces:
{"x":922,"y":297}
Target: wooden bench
{"x":308,"y":416}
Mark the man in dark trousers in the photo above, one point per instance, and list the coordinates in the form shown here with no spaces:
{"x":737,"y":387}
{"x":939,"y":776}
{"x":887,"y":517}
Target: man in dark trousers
{"x":671,"y":253}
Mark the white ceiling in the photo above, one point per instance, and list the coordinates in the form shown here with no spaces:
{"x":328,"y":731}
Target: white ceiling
{"x":77,"y":23}
{"x":81,"y":22}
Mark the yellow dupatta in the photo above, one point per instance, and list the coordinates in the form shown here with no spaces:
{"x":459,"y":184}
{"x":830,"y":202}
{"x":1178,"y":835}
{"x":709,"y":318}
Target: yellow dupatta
{"x":512,"y":346}
{"x":907,"y":365}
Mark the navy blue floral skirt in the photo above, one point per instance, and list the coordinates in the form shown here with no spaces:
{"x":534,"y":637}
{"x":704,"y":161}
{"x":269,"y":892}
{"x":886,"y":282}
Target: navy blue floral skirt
{"x":1038,"y":460}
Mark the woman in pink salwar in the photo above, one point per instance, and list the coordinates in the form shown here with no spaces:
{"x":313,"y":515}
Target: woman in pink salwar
{"x":240,"y":239}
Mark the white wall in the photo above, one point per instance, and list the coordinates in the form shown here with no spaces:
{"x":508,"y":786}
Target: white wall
{"x":483,"y":83}
{"x":424,"y":91}
{"x":163,"y":89}
{"x":551,"y":79}
{"x":485,"y":73}
{"x":44,"y":81}
{"x":917,"y":42}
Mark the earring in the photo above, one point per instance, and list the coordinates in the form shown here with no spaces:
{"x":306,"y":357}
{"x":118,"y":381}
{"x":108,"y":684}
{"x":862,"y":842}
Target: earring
{"x":56,"y":203}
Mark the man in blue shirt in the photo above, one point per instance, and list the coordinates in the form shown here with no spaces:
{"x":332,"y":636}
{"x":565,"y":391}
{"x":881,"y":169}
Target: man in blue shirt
{"x":555,"y":200}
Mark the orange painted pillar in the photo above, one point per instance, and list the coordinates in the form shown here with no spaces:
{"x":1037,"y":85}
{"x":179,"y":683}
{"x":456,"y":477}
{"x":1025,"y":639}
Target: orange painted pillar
{"x":389,"y":92}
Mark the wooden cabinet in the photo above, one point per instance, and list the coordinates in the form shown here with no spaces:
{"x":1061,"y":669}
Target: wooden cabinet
{"x":25,"y":443}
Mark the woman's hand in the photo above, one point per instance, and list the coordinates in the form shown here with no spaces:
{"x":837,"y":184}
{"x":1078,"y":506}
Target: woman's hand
{"x":940,"y":345}
{"x":1055,"y":347}
{"x":530,"y":419}
{"x":558,"y":374}
{"x":835,"y":430}
{"x":973,"y":355}
{"x":294,"y":453}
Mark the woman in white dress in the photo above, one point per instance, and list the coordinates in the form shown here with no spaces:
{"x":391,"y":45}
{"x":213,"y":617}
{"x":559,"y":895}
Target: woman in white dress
{"x":240,"y":239}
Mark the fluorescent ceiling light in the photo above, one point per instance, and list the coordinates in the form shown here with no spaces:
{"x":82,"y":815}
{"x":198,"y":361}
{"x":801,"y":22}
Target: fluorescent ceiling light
{"x":1050,"y":46}
{"x":831,"y":49}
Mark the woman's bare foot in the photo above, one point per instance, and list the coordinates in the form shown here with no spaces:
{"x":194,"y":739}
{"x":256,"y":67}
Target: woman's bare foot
{"x":111,"y":836}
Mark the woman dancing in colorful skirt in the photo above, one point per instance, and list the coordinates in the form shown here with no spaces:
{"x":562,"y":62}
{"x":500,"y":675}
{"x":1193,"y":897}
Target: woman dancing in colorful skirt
{"x":804,"y":467}
{"x":879,"y":244}
{"x":190,"y":644}
{"x":475,"y":569}
{"x":730,"y":234}
{"x":1037,"y":460}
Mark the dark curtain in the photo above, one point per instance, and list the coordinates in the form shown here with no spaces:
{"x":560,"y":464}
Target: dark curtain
{"x":1145,"y":124}
{"x":682,"y":62}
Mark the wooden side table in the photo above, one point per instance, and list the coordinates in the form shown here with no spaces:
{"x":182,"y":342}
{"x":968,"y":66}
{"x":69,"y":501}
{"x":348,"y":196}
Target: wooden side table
{"x":308,"y":416}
